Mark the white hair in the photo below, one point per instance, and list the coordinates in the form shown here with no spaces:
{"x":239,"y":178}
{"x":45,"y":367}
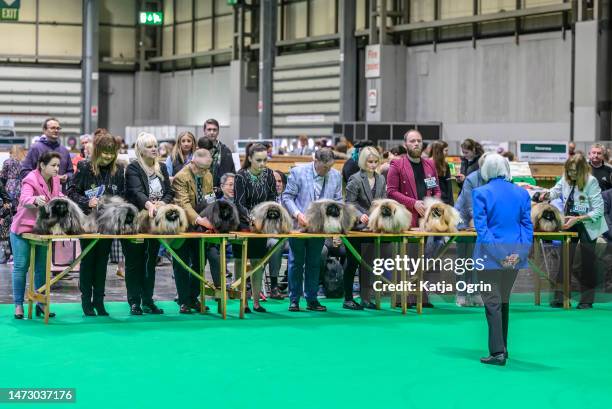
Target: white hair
{"x":144,"y":139}
{"x":495,"y":166}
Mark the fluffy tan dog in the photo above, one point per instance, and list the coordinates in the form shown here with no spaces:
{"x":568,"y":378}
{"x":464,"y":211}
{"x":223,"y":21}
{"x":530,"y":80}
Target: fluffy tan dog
{"x":271,"y":218}
{"x":439,"y":217}
{"x":331,"y":217}
{"x":169,"y":219}
{"x":389,"y":216}
{"x":546,"y":218}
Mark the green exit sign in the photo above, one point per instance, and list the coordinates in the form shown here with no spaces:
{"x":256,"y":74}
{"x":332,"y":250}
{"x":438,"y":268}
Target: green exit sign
{"x":9,"y":14}
{"x":151,"y":18}
{"x":232,"y":2}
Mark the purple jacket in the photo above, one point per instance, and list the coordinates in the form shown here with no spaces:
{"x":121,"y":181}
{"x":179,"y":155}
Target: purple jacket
{"x":44,"y":145}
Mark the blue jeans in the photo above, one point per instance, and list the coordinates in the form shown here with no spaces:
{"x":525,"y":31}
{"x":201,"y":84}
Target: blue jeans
{"x":21,"y":264}
{"x":305,"y":267}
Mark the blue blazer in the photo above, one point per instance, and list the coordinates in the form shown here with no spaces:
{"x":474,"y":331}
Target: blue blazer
{"x":299,"y":192}
{"x":502,"y":219}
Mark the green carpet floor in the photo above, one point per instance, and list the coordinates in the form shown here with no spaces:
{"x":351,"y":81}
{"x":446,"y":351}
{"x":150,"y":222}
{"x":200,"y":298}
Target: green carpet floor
{"x":340,"y":359}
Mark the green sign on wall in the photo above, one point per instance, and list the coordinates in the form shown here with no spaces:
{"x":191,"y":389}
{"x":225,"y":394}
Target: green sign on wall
{"x":151,"y":18}
{"x":9,"y":9}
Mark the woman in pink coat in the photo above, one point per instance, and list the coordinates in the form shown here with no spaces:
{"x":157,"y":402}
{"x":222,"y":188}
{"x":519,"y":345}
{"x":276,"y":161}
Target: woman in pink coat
{"x":37,"y":188}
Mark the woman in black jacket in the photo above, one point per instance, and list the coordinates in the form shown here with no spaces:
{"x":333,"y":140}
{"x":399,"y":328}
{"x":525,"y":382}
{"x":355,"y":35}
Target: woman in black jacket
{"x":147,"y":186}
{"x":439,"y":152}
{"x":254,"y":184}
{"x":471,"y":151}
{"x":97,"y":176}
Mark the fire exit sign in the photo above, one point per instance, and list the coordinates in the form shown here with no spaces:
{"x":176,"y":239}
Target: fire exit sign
{"x":9,"y":9}
{"x":151,"y":18}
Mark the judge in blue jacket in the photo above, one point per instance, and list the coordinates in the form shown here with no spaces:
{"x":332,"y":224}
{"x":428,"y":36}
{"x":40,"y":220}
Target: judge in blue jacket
{"x":306,"y":184}
{"x":505,"y":234}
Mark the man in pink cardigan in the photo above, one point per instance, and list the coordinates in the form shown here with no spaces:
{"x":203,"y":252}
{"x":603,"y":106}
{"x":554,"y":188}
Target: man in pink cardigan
{"x":410,"y":180}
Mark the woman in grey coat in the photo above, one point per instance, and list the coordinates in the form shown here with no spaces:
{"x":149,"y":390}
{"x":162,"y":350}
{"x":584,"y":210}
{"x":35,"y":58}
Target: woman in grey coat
{"x":362,"y":189}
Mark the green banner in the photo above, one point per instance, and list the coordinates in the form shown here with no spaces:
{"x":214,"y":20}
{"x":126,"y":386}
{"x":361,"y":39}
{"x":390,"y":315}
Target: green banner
{"x":543,"y":148}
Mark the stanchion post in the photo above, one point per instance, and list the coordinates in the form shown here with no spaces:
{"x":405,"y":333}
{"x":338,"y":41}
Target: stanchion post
{"x":223,"y":279}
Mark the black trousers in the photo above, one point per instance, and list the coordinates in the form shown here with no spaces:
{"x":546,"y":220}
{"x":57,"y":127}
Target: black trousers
{"x":140,"y":262}
{"x":497,"y":306}
{"x":365,"y":247}
{"x":187,"y":285}
{"x":92,"y":278}
{"x":588,"y":273}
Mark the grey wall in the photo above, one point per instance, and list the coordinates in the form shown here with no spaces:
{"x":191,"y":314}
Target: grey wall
{"x":498,"y":91}
{"x":116,"y":101}
{"x":183,"y":98}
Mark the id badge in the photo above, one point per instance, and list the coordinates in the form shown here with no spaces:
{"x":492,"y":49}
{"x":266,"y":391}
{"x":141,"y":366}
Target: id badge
{"x":210,"y":198}
{"x":95,"y":192}
{"x":580,"y":209}
{"x":431,"y":182}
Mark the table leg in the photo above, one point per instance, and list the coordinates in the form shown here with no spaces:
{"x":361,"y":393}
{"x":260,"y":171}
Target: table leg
{"x":31,"y":273}
{"x":419,"y":306}
{"x":243,"y":269}
{"x":566,"y":273}
{"x":393,"y":298}
{"x":404,"y":293}
{"x":48,"y":282}
{"x":538,"y":280}
{"x":202,"y":256}
{"x":377,"y":244}
{"x":223,"y":282}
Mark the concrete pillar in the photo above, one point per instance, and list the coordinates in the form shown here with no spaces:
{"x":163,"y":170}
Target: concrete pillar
{"x":90,"y":78}
{"x":244,"y":119}
{"x":386,"y":92}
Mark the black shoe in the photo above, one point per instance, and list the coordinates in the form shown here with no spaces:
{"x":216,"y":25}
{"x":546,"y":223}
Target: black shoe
{"x":368,"y":305}
{"x":247,"y":310}
{"x":556,"y":304}
{"x":40,"y":312}
{"x":99,"y":307}
{"x":197,"y":305}
{"x":151,"y":308}
{"x":87,"y":306}
{"x":584,"y":306}
{"x":498,"y":359}
{"x":506,"y":355}
{"x":259,"y":309}
{"x":351,"y":305}
{"x":428,"y":305}
{"x":135,"y":309}
{"x":19,"y":316}
{"x":88,"y":309}
{"x":185,"y":309}
{"x":275,"y":294}
{"x":294,"y":307}
{"x":315,"y":306}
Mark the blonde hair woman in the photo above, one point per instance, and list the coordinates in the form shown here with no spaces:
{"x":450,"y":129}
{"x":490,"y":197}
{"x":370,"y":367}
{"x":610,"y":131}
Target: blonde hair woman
{"x":147,"y":186}
{"x":583,"y":208}
{"x":362,"y":189}
{"x":181,"y":153}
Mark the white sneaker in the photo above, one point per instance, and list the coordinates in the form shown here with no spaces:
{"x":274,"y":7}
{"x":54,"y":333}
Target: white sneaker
{"x":461,"y":301}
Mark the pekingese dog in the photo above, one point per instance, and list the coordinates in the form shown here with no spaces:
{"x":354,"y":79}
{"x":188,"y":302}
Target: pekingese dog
{"x":389,"y":216}
{"x":169,"y":219}
{"x":223,"y":215}
{"x":115,"y":216}
{"x":60,"y":216}
{"x":330,"y":217}
{"x":546,"y":218}
{"x":271,"y":218}
{"x":439,"y":217}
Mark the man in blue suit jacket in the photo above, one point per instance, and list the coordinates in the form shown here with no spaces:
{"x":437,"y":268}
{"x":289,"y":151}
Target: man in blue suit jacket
{"x":505,"y":234}
{"x":308,"y":183}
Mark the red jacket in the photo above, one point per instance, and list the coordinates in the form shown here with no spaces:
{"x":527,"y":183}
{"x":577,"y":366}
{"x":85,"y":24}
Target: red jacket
{"x":402,"y":187}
